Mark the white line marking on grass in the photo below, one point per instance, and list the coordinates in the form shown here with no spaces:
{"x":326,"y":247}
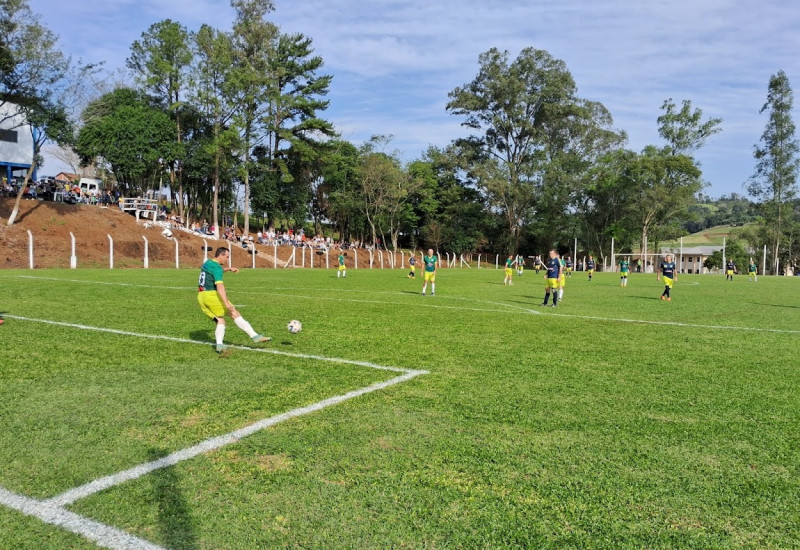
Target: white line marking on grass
{"x":207,"y":343}
{"x":102,"y":535}
{"x":215,"y":443}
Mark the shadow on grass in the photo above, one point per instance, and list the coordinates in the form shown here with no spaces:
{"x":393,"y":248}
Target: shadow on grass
{"x":775,"y":305}
{"x":174,"y":520}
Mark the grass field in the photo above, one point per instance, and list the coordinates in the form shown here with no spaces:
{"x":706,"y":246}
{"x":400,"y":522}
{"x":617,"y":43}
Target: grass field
{"x":613,"y":421}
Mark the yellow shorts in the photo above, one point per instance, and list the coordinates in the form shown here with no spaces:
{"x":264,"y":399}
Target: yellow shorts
{"x":551,"y":283}
{"x":210,"y":303}
{"x":509,"y":272}
{"x":591,"y":271}
{"x":751,"y":273}
{"x":667,"y":281}
{"x":562,"y":280}
{"x":342,"y":267}
{"x":430,"y":276}
{"x":729,"y":272}
{"x":413,"y":268}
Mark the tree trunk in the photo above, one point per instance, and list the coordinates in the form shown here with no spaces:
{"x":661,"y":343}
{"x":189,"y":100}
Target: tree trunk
{"x":13,"y":217}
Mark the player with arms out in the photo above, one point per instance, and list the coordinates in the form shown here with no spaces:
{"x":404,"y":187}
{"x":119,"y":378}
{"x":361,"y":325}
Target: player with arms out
{"x":214,"y":300}
{"x":551,"y":278}
{"x":590,"y":266}
{"x":667,"y":270}
{"x":431,"y":262}
{"x":752,"y":271}
{"x":624,"y":267}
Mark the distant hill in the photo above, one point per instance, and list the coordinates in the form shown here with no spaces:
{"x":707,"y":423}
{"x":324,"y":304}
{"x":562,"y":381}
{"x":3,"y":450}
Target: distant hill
{"x":713,"y":236}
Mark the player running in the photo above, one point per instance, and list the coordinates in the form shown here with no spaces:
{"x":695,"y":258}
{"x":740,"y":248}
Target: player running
{"x":431,"y":262}
{"x":412,"y":263}
{"x":667,"y":270}
{"x":624,"y":268}
{"x":590,"y":266}
{"x":752,"y":271}
{"x":214,"y":301}
{"x":551,"y":278}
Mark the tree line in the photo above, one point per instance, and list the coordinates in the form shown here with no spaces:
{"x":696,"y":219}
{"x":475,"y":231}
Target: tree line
{"x":232,"y":123}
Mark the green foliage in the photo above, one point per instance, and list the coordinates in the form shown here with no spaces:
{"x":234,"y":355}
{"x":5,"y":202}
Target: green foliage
{"x":123,"y":130}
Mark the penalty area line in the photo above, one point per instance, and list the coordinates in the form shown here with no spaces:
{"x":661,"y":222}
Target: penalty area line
{"x":214,"y":443}
{"x":205,"y":343}
{"x":103,"y":535}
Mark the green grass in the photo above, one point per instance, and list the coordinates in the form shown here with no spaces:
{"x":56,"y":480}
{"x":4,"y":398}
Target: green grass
{"x":614,"y":421}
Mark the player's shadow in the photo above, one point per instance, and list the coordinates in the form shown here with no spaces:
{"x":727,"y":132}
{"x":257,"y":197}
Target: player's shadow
{"x":635,"y":297}
{"x":202,"y":336}
{"x":175,"y":522}
{"x":775,"y":305}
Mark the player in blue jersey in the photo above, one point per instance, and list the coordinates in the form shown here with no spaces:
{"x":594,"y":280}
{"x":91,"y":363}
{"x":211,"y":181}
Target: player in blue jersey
{"x":667,"y":270}
{"x":590,"y":266}
{"x":730,"y":269}
{"x":214,"y":300}
{"x":551,"y":278}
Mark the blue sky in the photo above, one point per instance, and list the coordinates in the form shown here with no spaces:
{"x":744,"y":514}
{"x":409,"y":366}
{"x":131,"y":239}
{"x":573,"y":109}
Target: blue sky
{"x":394,"y":62}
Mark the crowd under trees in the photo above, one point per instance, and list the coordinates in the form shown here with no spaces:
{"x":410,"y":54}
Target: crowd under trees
{"x":231,"y":122}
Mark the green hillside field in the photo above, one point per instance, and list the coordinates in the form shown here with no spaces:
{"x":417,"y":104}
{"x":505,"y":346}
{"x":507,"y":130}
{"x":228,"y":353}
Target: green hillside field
{"x":471,"y":419}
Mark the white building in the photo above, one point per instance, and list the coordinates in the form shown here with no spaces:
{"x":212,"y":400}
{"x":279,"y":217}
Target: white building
{"x":16,"y":143}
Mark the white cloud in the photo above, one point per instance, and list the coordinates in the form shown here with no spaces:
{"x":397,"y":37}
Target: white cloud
{"x":394,"y":62}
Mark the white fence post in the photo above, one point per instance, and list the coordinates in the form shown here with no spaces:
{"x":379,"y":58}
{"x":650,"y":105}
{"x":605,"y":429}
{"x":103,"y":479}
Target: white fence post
{"x":146,"y":253}
{"x":177,"y":255}
{"x":381,"y":256}
{"x":230,"y":254}
{"x":327,"y":258}
{"x":73,"y":259}
{"x":110,"y":252}
{"x":479,"y":261}
{"x":253,"y":254}
{"x":497,"y":261}
{"x":371,"y":259}
{"x":303,"y":252}
{"x":205,"y":250}
{"x":355,"y":252}
{"x":402,"y":260}
{"x":275,"y":255}
{"x":30,"y":249}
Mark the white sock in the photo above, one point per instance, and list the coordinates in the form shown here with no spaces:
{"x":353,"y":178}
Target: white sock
{"x":219,"y":333}
{"x":245,"y":326}
{"x":433,"y":288}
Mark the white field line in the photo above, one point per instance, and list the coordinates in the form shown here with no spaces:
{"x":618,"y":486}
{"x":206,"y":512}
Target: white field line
{"x":103,"y":535}
{"x":207,"y":343}
{"x":312,"y":297}
{"x":52,"y":511}
{"x":214,"y":443}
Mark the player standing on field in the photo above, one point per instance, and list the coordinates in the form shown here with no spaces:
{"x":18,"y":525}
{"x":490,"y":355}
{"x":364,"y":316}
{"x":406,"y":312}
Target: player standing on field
{"x":623,"y":272}
{"x":551,"y":278}
{"x":214,"y":301}
{"x":431,"y":262}
{"x":412,"y":263}
{"x":667,"y":270}
{"x":509,"y":271}
{"x":730,"y":267}
{"x":520,"y":264}
{"x":342,"y":268}
{"x":752,"y":271}
{"x":590,"y":266}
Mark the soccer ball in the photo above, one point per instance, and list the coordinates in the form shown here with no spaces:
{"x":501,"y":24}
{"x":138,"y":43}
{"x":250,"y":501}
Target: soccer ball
{"x":294,"y":326}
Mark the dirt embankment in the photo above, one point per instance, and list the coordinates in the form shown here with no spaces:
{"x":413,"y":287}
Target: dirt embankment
{"x":51,"y":223}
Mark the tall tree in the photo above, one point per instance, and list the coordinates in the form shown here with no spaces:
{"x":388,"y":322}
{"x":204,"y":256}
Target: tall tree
{"x":511,"y":105}
{"x":214,"y":92}
{"x":684,"y":130}
{"x":34,"y":77}
{"x":777,"y":161}
{"x":253,"y":43}
{"x":161,"y":61}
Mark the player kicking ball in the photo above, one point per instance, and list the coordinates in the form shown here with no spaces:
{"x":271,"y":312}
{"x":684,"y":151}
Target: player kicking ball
{"x":214,"y":300}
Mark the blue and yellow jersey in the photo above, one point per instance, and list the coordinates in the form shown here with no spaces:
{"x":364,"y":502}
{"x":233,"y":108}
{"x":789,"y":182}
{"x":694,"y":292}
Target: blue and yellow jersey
{"x":668,"y":269}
